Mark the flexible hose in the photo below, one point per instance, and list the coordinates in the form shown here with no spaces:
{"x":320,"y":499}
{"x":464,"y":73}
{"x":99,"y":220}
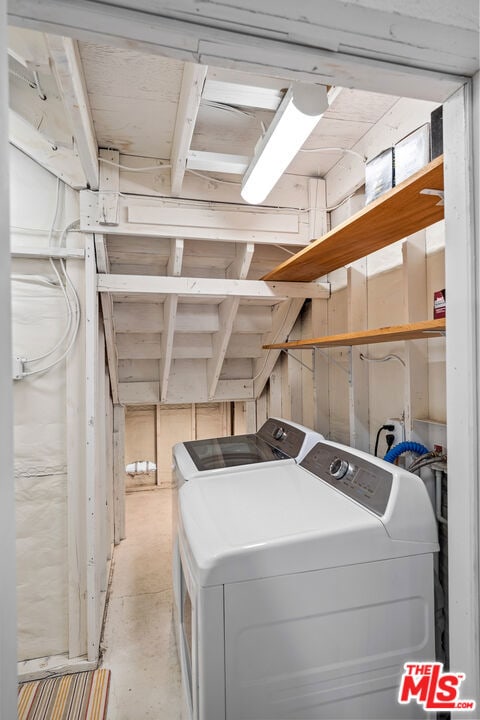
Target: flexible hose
{"x":403,"y":447}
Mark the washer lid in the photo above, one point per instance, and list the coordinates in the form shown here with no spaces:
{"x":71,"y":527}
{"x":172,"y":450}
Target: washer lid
{"x":258,"y":523}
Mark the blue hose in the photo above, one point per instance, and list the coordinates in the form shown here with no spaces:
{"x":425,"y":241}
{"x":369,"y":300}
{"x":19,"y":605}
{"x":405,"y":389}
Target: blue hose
{"x":402,"y":447}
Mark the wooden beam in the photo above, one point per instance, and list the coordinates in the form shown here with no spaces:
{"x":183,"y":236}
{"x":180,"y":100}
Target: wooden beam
{"x":415,"y":305}
{"x":211,"y":287}
{"x":48,"y":252}
{"x":75,"y":447}
{"x":235,"y":93}
{"x":410,"y":331}
{"x":60,"y":161}
{"x":284,"y":317}
{"x":284,"y":46}
{"x":119,"y":472}
{"x":169,"y":316}
{"x":227,"y":312}
{"x":109,"y":186}
{"x":188,"y":106}
{"x":68,"y":70}
{"x":91,"y":517}
{"x":401,"y":211}
{"x":358,"y":389}
{"x":191,"y":219}
{"x":217,"y":162}
{"x":107,"y":313}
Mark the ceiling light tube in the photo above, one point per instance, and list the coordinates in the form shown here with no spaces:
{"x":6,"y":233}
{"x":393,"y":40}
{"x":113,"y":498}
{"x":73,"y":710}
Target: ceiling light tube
{"x":297,"y":116}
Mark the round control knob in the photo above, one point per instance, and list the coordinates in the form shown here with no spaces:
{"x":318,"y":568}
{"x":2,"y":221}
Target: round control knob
{"x":339,"y":468}
{"x":279,"y":433}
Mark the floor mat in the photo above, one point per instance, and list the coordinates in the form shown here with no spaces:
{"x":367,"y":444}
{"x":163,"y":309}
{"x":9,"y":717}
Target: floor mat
{"x":80,"y":696}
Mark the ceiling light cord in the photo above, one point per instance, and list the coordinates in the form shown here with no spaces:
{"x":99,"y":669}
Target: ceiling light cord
{"x":162,"y":166}
{"x":337,"y":149}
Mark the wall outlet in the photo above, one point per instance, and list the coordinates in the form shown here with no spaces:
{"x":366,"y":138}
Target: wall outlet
{"x":17,"y":368}
{"x":398,"y":429}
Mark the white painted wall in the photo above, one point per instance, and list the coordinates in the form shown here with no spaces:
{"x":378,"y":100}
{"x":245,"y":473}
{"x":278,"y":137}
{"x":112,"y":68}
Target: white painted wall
{"x":39,"y":317}
{"x":51,"y":467}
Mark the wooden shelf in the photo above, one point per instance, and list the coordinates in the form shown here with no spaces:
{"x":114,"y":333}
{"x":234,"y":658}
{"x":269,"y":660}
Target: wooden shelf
{"x":411,"y":331}
{"x":391,"y":217}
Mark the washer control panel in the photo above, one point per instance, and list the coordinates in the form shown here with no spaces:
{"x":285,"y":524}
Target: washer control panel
{"x":355,"y":476}
{"x":282,"y":436}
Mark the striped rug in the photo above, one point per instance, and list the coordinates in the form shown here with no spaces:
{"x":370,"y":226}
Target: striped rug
{"x":80,"y":696}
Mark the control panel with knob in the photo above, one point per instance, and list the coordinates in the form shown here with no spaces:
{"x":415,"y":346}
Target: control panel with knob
{"x":279,"y":433}
{"x":339,"y":468}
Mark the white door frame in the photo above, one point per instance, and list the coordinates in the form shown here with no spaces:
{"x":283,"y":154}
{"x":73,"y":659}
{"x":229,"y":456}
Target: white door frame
{"x":101,"y":22}
{"x":8,"y":639}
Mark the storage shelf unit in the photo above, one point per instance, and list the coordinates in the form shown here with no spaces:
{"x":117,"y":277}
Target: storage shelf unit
{"x":398,"y":213}
{"x":410,"y":331}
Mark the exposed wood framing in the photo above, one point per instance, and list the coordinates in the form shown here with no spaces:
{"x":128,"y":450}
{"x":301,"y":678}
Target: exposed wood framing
{"x":321,"y":392}
{"x":416,"y":308}
{"x":250,"y":416}
{"x":160,"y":217}
{"x":314,"y":57}
{"x":188,"y":106}
{"x":119,"y":473}
{"x":91,"y":517}
{"x":237,"y":93}
{"x":359,"y":375}
{"x":108,"y":197}
{"x":227,"y":312}
{"x":217,"y":162}
{"x":107,"y":313}
{"x":284,"y":317}
{"x":142,"y":393}
{"x":169,"y":316}
{"x":60,"y":161}
{"x":48,"y":252}
{"x":76,"y":501}
{"x":211,"y":287}
{"x":68,"y":71}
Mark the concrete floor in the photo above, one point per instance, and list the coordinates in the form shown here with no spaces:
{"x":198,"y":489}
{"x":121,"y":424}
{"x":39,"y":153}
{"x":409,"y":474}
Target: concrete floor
{"x":139,"y":640}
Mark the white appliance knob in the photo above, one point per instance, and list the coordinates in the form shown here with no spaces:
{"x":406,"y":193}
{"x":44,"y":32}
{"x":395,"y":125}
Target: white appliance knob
{"x":279,"y":433}
{"x":339,"y":468}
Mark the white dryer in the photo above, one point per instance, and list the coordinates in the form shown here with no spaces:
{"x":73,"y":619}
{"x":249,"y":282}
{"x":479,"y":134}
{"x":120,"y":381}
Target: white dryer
{"x":278,"y":440}
{"x":305,"y":588}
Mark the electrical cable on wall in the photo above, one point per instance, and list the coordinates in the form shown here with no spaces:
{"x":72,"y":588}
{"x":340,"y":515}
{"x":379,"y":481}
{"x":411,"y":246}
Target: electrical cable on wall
{"x":70,"y":296}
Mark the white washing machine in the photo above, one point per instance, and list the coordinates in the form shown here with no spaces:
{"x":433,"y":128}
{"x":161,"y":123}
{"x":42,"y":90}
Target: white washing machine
{"x":278,"y":440}
{"x":305,"y":588}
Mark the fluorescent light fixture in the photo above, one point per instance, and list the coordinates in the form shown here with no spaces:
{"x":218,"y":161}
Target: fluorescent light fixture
{"x":297,"y":116}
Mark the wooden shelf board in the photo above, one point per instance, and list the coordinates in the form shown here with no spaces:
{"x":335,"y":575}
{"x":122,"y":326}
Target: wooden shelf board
{"x":398,"y":213}
{"x":412,"y":331}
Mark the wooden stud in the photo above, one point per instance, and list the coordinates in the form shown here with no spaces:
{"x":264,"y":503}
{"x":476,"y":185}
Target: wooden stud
{"x":284,"y":318}
{"x":251,"y":416}
{"x":109,"y":187}
{"x":169,"y":317}
{"x":359,"y":374}
{"x":415,"y":307}
{"x":188,"y":106}
{"x":211,"y":287}
{"x":92,"y":517}
{"x":119,"y":472}
{"x":76,"y":477}
{"x":60,"y":161}
{"x":68,"y":70}
{"x":226,"y":313}
{"x":103,"y":266}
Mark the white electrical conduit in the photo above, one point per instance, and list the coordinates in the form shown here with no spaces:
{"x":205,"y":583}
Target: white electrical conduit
{"x":75,"y":333}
